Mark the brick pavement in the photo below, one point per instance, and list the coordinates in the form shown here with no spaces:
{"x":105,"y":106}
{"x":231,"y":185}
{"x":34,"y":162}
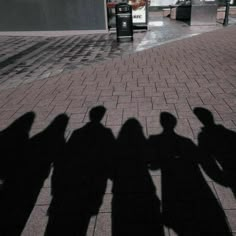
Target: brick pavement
{"x":26,"y":58}
{"x":175,"y":77}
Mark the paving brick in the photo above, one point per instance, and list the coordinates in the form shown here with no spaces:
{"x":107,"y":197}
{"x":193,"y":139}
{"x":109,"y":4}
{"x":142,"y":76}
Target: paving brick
{"x":159,"y":100}
{"x":44,"y":197}
{"x":103,"y":225}
{"x":130,"y":112}
{"x":175,"y":77}
{"x":228,"y":116}
{"x":37,"y":222}
{"x":114,"y":120}
{"x":108,"y":99}
{"x":75,"y":125}
{"x":131,"y":106}
{"x":77,"y":118}
{"x":106,"y":205}
{"x":124,"y":99}
{"x":141,"y":100}
{"x":183,"y":128}
{"x":6,"y":114}
{"x":145,"y":105}
{"x":111,"y":105}
{"x":106,"y":92}
{"x":153,"y":122}
{"x":231,"y":215}
{"x":138,"y":93}
{"x":153,"y":130}
{"x":225,"y":196}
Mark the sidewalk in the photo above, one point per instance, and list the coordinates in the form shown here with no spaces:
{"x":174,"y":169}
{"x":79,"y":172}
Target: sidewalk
{"x":175,"y":77}
{"x":38,"y":56}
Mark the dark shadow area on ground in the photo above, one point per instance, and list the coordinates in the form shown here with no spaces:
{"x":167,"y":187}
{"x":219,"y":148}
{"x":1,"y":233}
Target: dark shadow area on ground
{"x":28,"y":165}
{"x":135,"y":205}
{"x":92,"y":155}
{"x":189,"y":206}
{"x":14,"y":141}
{"x":79,"y":181}
{"x":218,"y":150}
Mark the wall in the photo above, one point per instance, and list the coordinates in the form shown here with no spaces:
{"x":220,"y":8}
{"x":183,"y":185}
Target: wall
{"x":35,"y":15}
{"x":162,"y":2}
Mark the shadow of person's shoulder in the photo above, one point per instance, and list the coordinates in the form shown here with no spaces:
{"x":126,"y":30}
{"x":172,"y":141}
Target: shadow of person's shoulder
{"x":91,"y":131}
{"x":164,"y":141}
{"x":184,"y":139}
{"x":14,"y":141}
{"x":76,"y":134}
{"x":218,"y":129}
{"x":53,"y":134}
{"x":212,"y":132}
{"x":219,"y":137}
{"x":18,"y":130}
{"x":155,"y":139}
{"x":221,"y":130}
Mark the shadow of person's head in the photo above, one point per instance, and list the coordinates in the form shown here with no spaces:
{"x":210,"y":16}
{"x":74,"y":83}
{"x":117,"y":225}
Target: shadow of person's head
{"x":58,"y":125}
{"x":22,"y":125}
{"x":97,"y":113}
{"x":14,"y":143}
{"x":205,"y":116}
{"x":168,"y":121}
{"x":131,"y":132}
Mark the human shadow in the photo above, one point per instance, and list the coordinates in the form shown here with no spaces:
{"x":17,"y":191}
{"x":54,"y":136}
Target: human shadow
{"x":218,"y":149}
{"x":189,"y":207}
{"x":135,"y":205}
{"x":79,"y":181}
{"x":14,"y":140}
{"x":33,"y":167}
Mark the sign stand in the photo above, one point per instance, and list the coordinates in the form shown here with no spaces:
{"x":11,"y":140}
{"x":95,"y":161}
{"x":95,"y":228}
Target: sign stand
{"x":140,"y":13}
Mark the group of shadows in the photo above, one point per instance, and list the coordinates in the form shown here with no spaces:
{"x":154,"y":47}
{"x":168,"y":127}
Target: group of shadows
{"x":82,"y":166}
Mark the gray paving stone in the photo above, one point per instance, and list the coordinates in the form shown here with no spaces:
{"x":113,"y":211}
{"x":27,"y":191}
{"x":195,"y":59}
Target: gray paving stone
{"x":157,"y":182}
{"x":103,"y":225}
{"x":44,"y":197}
{"x":37,"y":222}
{"x":226,"y":197}
{"x":91,"y":226}
{"x":231,"y":215}
{"x":106,"y":204}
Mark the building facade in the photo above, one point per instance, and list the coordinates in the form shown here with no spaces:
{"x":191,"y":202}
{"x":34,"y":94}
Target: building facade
{"x":53,"y":15}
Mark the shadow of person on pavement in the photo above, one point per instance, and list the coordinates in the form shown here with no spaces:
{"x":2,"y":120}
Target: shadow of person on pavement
{"x":79,"y":185}
{"x":14,"y":142}
{"x":189,"y":207}
{"x":33,"y":169}
{"x":218,"y":149}
{"x":135,"y":205}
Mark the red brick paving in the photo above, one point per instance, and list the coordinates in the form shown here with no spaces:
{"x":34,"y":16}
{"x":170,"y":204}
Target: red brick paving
{"x":175,"y":77}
